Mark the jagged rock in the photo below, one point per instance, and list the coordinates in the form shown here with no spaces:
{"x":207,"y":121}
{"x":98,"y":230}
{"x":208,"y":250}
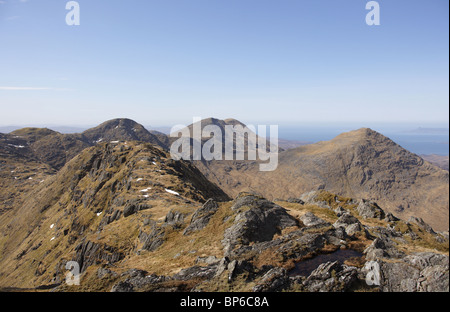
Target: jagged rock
{"x":391,"y":218}
{"x":419,"y":222}
{"x":110,"y":218}
{"x":309,"y":219}
{"x":207,"y":260}
{"x":349,"y":223}
{"x":257,"y":220}
{"x":89,"y":253}
{"x":274,"y":280}
{"x":331,"y":277}
{"x":370,"y":209}
{"x":201,"y":217}
{"x":382,"y":247}
{"x":133,"y":207}
{"x":196,"y":272}
{"x":174,"y":218}
{"x":155,"y":239}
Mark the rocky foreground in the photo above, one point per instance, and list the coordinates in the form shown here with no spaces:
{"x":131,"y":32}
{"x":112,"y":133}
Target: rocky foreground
{"x":263,"y":243}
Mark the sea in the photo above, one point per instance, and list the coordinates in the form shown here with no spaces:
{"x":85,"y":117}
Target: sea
{"x":419,"y":140}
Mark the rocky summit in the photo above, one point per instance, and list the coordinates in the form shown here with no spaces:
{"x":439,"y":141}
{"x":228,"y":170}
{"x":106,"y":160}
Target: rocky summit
{"x":131,"y":219}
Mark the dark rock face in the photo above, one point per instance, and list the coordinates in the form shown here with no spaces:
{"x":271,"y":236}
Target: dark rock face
{"x":201,"y":217}
{"x":89,"y":253}
{"x":133,"y":207}
{"x":155,"y":239}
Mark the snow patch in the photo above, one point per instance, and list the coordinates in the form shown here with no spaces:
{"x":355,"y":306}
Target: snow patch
{"x":172,"y":192}
{"x":140,"y":179}
{"x":16,"y":146}
{"x":52,"y":226}
{"x":145,"y":190}
{"x":99,"y":214}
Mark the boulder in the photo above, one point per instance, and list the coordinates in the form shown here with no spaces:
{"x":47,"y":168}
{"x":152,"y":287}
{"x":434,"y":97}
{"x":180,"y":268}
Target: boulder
{"x":349,"y":223}
{"x":311,"y":220}
{"x":383,"y":247}
{"x":370,"y":209}
{"x":257,"y":220}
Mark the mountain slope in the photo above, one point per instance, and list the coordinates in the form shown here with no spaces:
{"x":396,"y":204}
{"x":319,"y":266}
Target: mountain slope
{"x":102,"y":185}
{"x":362,"y":164}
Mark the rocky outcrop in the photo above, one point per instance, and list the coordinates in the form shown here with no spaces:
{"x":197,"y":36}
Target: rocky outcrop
{"x":420,"y":272}
{"x":331,"y":277}
{"x":89,"y":253}
{"x":274,"y":280}
{"x":311,"y":220}
{"x":201,"y":217}
{"x":383,"y":247}
{"x":256,"y":220}
{"x":133,"y":207}
{"x":349,"y":223}
{"x":370,"y":209}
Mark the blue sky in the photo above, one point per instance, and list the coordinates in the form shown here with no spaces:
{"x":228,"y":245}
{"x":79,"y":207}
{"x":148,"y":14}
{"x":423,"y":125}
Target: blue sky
{"x":162,"y":62}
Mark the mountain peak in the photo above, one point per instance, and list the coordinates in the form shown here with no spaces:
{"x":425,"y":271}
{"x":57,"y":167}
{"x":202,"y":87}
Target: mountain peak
{"x":121,"y":129}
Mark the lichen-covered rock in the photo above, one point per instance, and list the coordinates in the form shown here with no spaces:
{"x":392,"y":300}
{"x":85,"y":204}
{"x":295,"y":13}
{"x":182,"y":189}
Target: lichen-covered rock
{"x":420,"y":272}
{"x":349,"y":223}
{"x":383,"y":247}
{"x":257,"y":220}
{"x":274,"y":280}
{"x":331,"y":277}
{"x":311,"y":220}
{"x":370,"y":209}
